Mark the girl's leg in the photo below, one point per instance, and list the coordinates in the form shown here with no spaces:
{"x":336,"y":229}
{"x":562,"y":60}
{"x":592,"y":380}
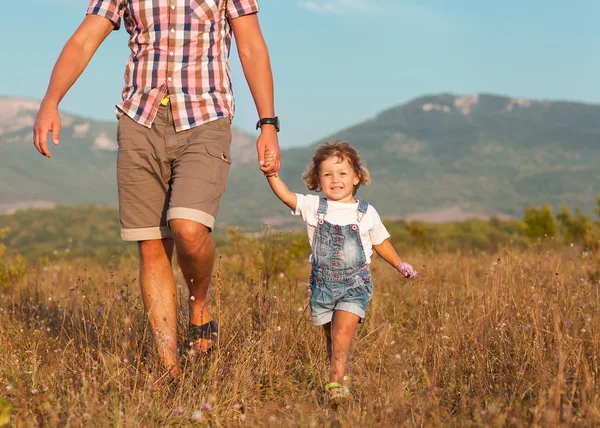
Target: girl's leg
{"x":344,"y":326}
{"x":327,"y":331}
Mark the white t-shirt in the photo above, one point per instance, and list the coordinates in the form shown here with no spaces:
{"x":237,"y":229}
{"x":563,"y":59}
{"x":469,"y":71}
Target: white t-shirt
{"x":372,"y":230}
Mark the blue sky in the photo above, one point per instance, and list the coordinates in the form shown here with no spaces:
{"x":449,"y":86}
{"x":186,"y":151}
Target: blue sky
{"x":338,"y":62}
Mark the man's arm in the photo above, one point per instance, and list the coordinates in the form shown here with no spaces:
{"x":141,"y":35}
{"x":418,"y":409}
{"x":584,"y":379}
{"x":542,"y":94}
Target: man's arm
{"x":254,"y":57}
{"x":73,"y":59}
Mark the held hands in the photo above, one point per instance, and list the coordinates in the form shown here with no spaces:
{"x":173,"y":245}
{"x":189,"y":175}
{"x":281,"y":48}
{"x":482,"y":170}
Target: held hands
{"x":269,"y":159}
{"x":268,"y":142}
{"x":407,"y":270}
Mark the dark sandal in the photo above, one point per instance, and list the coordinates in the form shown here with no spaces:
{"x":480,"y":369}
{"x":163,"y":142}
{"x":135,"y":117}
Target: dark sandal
{"x":208,"y":331}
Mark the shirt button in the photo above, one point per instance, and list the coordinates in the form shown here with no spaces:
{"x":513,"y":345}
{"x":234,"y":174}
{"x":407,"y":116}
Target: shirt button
{"x":337,"y":251}
{"x":169,"y":79}
{"x":172,"y":6}
{"x":171,"y":53}
{"x":172,"y":30}
{"x":335,"y":264}
{"x":337,"y":239}
{"x":336,"y":276}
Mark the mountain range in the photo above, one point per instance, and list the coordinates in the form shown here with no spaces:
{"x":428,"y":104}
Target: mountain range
{"x":439,"y":157}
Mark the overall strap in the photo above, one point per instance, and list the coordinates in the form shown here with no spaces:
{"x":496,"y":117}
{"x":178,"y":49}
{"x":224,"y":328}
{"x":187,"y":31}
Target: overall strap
{"x":362,"y":209}
{"x":322,"y":210}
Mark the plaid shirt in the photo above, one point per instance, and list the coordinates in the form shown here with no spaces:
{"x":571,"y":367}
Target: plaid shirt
{"x":179,"y":48}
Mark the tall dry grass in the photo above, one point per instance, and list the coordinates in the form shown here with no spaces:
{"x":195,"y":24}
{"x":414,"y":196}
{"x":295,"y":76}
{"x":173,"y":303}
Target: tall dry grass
{"x":477,"y":340}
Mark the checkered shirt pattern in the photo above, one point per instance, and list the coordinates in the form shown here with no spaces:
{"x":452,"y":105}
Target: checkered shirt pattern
{"x":179,"y":48}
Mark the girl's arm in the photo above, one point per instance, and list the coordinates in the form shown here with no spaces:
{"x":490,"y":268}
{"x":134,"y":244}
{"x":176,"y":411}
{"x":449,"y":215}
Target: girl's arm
{"x":282,"y":192}
{"x":387,"y":253}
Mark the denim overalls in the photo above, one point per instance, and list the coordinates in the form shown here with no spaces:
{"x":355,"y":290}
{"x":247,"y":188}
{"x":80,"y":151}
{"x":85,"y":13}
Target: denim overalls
{"x":340,"y":277}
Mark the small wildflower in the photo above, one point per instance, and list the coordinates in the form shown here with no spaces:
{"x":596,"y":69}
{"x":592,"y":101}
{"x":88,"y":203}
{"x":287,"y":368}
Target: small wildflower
{"x":86,"y":416}
{"x":9,"y":388}
{"x":179,"y":411}
{"x":528,"y":327}
{"x":583,"y":330}
{"x":281,"y":275}
{"x":197,"y":416}
{"x":397,"y":356}
{"x":98,"y":312}
{"x":407,"y":270}
{"x":206,"y":406}
{"x":588,"y":319}
{"x":34,"y":391}
{"x":392,"y":342}
{"x":300,"y":309}
{"x":278,"y":328}
{"x":118,"y":296}
{"x":242,"y":417}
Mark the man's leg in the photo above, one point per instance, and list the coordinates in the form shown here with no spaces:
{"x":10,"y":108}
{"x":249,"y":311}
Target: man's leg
{"x":160,"y":298}
{"x":195,"y":255}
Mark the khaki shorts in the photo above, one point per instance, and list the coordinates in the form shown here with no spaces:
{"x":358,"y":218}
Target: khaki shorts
{"x":163,"y":174}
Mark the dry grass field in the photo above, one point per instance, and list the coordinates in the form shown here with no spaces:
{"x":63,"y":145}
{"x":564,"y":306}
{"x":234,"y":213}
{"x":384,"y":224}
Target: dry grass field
{"x":485,"y":339}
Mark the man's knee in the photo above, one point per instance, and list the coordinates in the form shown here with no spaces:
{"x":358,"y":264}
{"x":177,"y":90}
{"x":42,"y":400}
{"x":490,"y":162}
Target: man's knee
{"x":155,"y":250}
{"x":190,"y":236}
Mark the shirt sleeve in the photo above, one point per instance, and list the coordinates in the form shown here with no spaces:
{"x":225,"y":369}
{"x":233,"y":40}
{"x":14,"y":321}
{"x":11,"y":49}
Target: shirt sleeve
{"x":306,"y":206}
{"x":109,"y":9}
{"x":237,"y":8}
{"x":378,"y":233}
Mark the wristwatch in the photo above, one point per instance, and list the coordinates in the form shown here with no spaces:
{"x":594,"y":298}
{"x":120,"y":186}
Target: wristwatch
{"x":268,"y":121}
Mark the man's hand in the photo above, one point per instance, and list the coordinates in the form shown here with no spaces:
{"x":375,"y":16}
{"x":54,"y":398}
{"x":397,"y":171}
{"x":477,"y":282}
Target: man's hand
{"x":47,"y":120}
{"x":268,"y":142}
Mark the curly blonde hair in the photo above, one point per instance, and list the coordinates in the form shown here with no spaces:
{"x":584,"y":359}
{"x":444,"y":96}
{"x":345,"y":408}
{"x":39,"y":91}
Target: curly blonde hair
{"x":342,"y":150}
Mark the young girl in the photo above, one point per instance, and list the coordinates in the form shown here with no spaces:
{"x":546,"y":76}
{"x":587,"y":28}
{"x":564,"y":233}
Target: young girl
{"x":343,"y":232}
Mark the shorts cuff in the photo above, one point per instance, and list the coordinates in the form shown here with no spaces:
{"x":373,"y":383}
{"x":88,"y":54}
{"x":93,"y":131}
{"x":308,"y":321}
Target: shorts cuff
{"x":191,"y":214}
{"x":145,"y":233}
{"x":323,"y":318}
{"x":350,"y":307}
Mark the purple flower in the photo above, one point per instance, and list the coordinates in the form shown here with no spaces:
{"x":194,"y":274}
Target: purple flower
{"x":98,"y":312}
{"x":206,"y":406}
{"x":528,"y":327}
{"x":407,"y":270}
{"x":179,"y":411}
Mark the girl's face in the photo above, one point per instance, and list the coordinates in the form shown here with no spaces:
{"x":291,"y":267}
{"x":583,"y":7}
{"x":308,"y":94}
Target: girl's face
{"x":337,"y":179}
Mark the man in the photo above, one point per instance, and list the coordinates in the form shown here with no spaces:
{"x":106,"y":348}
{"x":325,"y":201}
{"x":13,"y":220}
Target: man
{"x":174,"y":137}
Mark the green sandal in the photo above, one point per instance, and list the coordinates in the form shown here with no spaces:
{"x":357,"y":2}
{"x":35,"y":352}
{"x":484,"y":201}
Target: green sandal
{"x":346,"y":388}
{"x":334,"y":390}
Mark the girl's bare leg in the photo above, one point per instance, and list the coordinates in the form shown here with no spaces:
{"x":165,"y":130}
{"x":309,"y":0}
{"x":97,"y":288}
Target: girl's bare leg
{"x":342,"y":331}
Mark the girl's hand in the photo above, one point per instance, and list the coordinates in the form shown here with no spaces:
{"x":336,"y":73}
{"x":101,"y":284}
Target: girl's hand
{"x":407,"y":270}
{"x":269,"y":157}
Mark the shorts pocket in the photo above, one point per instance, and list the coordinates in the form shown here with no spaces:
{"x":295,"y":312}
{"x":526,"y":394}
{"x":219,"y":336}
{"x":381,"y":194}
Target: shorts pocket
{"x":205,"y":10}
{"x":221,"y":159}
{"x":364,"y":282}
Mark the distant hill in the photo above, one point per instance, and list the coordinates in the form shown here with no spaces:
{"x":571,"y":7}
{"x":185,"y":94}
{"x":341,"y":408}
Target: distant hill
{"x":438,"y":157}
